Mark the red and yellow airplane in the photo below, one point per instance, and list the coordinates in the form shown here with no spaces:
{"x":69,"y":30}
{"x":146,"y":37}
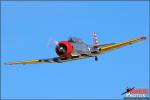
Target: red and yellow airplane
{"x":75,"y":49}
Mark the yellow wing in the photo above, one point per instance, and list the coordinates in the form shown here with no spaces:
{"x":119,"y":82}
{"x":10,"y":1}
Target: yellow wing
{"x":23,"y":62}
{"x":31,"y":61}
{"x":49,"y":60}
{"x":119,"y":45}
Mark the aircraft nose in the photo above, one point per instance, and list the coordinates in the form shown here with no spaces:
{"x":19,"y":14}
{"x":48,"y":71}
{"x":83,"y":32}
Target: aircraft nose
{"x":61,"y":49}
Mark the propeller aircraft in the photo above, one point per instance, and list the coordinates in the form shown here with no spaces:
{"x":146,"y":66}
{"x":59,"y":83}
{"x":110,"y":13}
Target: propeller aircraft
{"x":75,"y":49}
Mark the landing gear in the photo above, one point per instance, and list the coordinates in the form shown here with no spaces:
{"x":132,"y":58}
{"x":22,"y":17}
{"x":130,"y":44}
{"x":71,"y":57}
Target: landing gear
{"x":96,"y":58}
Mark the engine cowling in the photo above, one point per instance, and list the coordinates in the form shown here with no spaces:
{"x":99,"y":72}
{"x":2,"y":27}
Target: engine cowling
{"x":64,"y":49}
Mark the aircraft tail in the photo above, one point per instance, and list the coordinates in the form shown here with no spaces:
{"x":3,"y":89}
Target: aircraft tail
{"x":95,"y":40}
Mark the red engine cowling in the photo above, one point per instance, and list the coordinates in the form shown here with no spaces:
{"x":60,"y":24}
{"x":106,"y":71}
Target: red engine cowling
{"x":64,"y":49}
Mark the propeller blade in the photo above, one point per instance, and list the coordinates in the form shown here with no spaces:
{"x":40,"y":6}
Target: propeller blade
{"x":52,"y":41}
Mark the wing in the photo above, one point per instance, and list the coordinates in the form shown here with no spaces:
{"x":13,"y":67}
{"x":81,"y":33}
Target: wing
{"x":49,"y":60}
{"x":35,"y":61}
{"x":106,"y":48}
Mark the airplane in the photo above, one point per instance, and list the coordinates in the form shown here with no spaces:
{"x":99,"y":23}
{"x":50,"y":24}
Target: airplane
{"x":75,"y":49}
{"x":128,"y":90}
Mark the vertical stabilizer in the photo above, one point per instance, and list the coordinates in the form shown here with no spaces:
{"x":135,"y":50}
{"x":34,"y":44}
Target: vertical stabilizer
{"x":95,"y":40}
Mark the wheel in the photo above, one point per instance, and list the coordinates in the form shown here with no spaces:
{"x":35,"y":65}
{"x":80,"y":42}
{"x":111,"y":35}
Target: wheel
{"x":96,"y":58}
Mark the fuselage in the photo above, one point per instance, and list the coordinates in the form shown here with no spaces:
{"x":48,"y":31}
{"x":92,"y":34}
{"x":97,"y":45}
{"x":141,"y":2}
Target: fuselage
{"x":73,"y":47}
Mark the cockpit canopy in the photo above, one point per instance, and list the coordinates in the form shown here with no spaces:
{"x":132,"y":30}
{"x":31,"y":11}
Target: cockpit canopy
{"x":75,"y":40}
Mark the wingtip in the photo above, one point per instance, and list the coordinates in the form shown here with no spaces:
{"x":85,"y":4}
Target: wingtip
{"x":6,"y":64}
{"x":143,"y":37}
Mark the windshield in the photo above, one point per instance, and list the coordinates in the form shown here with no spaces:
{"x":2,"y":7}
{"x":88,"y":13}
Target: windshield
{"x":74,"y":39}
